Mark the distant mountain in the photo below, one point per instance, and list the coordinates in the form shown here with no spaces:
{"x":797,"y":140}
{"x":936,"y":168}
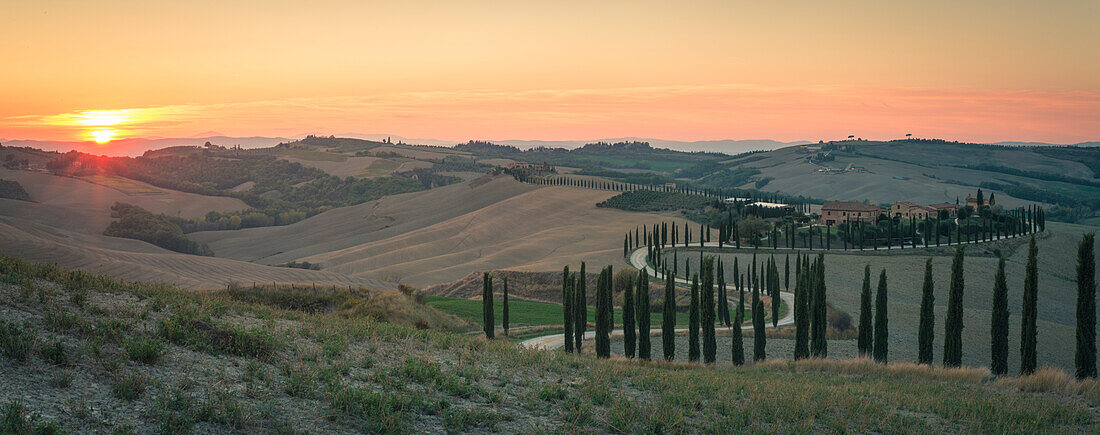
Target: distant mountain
{"x":1044,"y":144}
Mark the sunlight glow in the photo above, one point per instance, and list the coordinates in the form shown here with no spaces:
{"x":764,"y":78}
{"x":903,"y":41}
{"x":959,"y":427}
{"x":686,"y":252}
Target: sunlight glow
{"x":102,"y":136}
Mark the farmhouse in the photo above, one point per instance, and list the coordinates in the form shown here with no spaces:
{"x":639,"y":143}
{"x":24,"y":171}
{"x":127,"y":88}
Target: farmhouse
{"x":972,"y":202}
{"x":835,"y":212}
{"x":952,"y":209}
{"x":906,"y":209}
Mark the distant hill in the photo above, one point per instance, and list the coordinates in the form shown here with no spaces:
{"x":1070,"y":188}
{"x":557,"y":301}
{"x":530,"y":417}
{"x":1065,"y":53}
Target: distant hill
{"x":1044,"y":144}
{"x":136,"y":146}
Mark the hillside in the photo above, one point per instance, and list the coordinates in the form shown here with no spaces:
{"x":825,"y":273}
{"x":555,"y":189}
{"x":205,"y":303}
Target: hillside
{"x":443,"y":234}
{"x":165,"y":360}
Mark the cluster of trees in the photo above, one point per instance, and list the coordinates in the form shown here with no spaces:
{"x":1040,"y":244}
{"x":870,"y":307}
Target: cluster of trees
{"x":487,"y":321}
{"x":11,"y":189}
{"x":136,"y":223}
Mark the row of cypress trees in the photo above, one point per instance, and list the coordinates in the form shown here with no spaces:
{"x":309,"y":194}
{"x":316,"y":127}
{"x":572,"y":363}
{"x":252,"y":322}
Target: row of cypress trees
{"x":874,"y":341}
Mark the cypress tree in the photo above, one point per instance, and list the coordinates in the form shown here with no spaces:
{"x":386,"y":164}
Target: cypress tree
{"x":642,"y":315}
{"x":580,"y":316}
{"x":759,"y":339}
{"x":882,"y":331}
{"x":603,"y":338}
{"x":738,"y":346}
{"x":926,"y":334}
{"x":952,"y":340}
{"x":774,"y":292}
{"x":487,"y":323}
{"x":707,"y":296}
{"x":801,"y":319}
{"x":819,"y":348}
{"x":787,"y":273}
{"x":629,"y":337}
{"x":567,"y":308}
{"x":504,"y":307}
{"x":998,"y":330}
{"x":723,"y":297}
{"x":693,"y":321}
{"x":1028,"y":330}
{"x":866,"y":334}
{"x":1086,"y":307}
{"x":668,"y":320}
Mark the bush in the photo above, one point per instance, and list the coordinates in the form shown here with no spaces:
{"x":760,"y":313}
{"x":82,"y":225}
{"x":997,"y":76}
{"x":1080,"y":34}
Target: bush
{"x":136,"y":223}
{"x":206,"y":335}
{"x":13,"y":190}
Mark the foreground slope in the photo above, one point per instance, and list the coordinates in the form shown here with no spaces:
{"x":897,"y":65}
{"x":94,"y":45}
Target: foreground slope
{"x":91,"y":354}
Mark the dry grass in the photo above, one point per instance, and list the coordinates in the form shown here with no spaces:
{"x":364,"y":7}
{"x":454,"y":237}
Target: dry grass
{"x":866,"y":366}
{"x":1053,"y":380}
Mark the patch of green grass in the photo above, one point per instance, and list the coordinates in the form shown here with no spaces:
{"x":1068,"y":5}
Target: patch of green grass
{"x":144,"y":350}
{"x":128,"y":386}
{"x":54,"y":352}
{"x":210,"y":336}
{"x":459,"y":419}
{"x":372,"y":412}
{"x":16,"y":420}
{"x":525,"y":313}
{"x":15,"y":340}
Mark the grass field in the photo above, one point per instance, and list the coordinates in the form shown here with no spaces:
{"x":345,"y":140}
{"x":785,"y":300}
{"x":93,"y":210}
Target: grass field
{"x":314,"y":155}
{"x":124,"y":185}
{"x":380,"y":168}
{"x":165,"y":360}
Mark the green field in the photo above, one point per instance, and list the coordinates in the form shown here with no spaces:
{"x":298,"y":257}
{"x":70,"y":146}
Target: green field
{"x":312,"y":155}
{"x":529,"y":313}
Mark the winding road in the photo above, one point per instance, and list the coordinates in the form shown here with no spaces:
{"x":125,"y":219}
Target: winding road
{"x":637,"y":260}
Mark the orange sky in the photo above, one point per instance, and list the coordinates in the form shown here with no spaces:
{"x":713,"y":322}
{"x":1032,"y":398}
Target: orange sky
{"x":978,"y":70}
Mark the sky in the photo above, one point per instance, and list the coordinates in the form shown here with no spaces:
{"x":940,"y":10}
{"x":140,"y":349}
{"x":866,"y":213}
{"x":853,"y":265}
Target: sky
{"x":978,"y":70}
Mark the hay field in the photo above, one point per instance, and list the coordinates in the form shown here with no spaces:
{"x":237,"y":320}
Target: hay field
{"x":905,"y":272}
{"x":81,"y":205}
{"x":443,"y":234}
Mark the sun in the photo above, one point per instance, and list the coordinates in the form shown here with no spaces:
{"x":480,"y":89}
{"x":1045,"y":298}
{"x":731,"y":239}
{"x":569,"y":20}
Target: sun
{"x":102,"y":136}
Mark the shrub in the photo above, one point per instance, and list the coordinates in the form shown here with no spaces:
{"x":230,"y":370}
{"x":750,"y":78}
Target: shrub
{"x":380,"y":412}
{"x":144,"y":350}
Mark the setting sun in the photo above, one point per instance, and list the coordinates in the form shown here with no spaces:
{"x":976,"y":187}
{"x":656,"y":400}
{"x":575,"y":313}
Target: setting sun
{"x":102,"y":136}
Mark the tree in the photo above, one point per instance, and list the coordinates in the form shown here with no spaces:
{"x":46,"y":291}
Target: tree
{"x":642,"y":316}
{"x":882,"y":331}
{"x":759,"y":339}
{"x":952,"y":337}
{"x":801,"y":312}
{"x":866,"y":334}
{"x":668,"y":320}
{"x":504,"y":307}
{"x":1028,"y":329}
{"x":629,"y":337}
{"x":707,"y":300}
{"x":787,"y":273}
{"x":819,"y":347}
{"x":926,"y":332}
{"x":773,"y":290}
{"x":693,"y":321}
{"x":567,"y":307}
{"x":998,"y":329}
{"x":723,"y":297}
{"x":738,"y":346}
{"x":487,"y":323}
{"x":580,"y":316}
{"x":1086,"y":308}
{"x":603,"y":309}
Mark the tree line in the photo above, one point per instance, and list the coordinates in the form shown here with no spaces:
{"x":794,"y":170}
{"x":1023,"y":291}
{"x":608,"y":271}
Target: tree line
{"x":709,"y":307}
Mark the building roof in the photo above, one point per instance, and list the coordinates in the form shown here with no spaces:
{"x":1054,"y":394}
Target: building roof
{"x":848,"y":206}
{"x":907,"y":203}
{"x":943,"y":206}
